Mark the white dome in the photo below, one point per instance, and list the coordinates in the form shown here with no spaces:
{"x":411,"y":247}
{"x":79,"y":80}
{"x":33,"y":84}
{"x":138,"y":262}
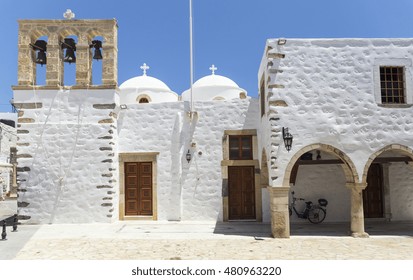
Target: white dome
{"x":147,"y":88}
{"x":214,"y":87}
{"x":145,"y":82}
{"x":215,"y":81}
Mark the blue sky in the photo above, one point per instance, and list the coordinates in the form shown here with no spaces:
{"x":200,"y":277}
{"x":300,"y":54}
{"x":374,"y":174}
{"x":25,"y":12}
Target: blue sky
{"x":228,"y":33}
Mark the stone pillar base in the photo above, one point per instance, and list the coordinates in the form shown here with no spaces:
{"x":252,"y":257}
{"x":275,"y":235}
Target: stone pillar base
{"x":360,"y":235}
{"x":280,"y":217}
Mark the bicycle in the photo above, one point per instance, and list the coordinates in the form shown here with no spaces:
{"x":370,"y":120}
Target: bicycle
{"x":315,"y":213}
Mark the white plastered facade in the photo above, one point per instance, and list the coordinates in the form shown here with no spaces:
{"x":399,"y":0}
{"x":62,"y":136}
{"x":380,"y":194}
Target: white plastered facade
{"x":75,"y":142}
{"x":327,"y":93}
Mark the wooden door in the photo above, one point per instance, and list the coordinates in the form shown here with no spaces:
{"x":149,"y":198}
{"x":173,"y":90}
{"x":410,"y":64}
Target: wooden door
{"x":138,"y":188}
{"x":373,"y":194}
{"x":241,"y":193}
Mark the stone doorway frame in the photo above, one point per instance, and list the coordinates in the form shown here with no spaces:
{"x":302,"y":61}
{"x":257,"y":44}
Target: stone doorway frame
{"x":138,"y":157}
{"x":226,"y":162}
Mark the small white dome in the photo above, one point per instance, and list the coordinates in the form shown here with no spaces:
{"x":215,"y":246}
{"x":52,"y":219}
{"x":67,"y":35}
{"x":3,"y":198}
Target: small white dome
{"x":215,"y":81}
{"x":145,"y":89}
{"x":144,"y":83}
{"x":214,"y":87}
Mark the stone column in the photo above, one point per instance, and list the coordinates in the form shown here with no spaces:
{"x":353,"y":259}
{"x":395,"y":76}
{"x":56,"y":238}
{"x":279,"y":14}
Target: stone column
{"x":109,"y":72}
{"x":110,"y":56}
{"x":83,"y":62}
{"x":55,"y":71}
{"x":357,"y":212}
{"x":280,"y":218}
{"x":26,"y":67}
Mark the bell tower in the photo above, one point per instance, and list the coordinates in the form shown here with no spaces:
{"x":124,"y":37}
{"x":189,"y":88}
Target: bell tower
{"x":59,"y":49}
{"x":67,"y":133}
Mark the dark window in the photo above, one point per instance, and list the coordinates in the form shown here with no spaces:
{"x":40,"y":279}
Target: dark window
{"x":262,"y":97}
{"x":392,"y":85}
{"x":240,"y":147}
{"x":143,"y":100}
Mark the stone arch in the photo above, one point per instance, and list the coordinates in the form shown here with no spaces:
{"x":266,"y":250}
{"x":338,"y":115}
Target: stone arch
{"x":94,"y":32}
{"x":392,"y":147}
{"x":37,"y":33}
{"x":349,"y":168}
{"x":69,"y":31}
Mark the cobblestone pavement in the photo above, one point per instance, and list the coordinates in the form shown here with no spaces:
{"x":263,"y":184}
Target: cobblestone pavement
{"x":208,"y":241}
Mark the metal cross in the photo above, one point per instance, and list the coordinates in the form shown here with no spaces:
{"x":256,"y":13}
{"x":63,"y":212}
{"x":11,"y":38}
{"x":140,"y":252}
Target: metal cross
{"x":213,"y":69}
{"x":69,"y":14}
{"x":144,"y":67}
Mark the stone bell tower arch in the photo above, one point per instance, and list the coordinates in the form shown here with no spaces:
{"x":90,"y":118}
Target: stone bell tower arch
{"x":67,"y":134}
{"x":57,"y":31}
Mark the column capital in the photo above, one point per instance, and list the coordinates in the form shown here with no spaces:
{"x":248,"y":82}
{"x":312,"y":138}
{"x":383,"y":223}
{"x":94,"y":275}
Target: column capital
{"x":356,"y":186}
{"x":280,"y":189}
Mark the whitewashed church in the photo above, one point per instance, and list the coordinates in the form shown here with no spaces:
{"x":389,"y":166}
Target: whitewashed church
{"x":139,"y":151}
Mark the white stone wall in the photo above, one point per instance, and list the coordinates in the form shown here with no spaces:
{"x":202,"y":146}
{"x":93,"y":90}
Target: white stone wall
{"x":325,"y":181}
{"x":401,"y":191}
{"x":67,"y":158}
{"x":186,"y":191}
{"x":202,"y":188}
{"x":157,"y":127}
{"x":330,"y":89}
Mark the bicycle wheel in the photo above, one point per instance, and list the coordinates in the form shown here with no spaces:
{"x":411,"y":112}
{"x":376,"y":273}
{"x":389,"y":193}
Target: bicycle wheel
{"x":316,"y":215}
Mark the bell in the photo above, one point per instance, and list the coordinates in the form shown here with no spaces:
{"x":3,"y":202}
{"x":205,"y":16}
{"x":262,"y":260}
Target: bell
{"x":70,"y":45}
{"x":98,"y":54}
{"x":41,"y":58}
{"x":97,"y":44}
{"x":40,"y":46}
{"x":70,"y":56}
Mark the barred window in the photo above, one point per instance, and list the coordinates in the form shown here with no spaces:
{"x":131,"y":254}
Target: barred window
{"x":392,"y":84}
{"x":240,"y":147}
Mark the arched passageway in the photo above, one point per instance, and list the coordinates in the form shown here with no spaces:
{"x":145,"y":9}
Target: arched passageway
{"x":388,"y":196}
{"x":323,"y":171}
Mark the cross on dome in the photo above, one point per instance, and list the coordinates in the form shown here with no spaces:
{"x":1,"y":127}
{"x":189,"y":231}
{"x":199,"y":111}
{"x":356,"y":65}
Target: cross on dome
{"x":144,"y":67}
{"x":213,"y":69}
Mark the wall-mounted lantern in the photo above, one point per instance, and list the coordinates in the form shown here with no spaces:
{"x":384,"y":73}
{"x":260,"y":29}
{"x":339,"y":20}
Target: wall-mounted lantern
{"x":288,"y":139}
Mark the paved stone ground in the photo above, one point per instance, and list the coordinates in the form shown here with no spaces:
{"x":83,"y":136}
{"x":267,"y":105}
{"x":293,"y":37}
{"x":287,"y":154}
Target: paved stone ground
{"x":224,"y":249}
{"x":142,"y":240}
{"x":208,"y":241}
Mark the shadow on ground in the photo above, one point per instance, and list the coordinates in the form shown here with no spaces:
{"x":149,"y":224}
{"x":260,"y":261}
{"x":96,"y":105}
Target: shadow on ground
{"x":373,"y":228}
